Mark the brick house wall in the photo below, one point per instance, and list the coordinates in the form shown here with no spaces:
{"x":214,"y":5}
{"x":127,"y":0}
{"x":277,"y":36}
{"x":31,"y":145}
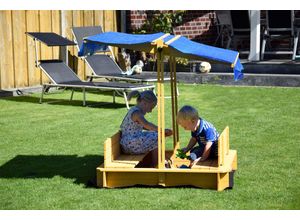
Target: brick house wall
{"x":198,"y":25}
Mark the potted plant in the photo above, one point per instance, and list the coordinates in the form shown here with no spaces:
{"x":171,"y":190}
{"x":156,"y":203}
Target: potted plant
{"x":159,"y":22}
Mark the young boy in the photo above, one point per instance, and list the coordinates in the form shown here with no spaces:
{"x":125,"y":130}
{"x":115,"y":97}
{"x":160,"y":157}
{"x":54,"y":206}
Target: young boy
{"x":202,"y":132}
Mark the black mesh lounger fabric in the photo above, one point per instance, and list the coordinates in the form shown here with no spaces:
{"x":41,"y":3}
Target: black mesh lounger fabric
{"x":103,"y":66}
{"x":61,"y":74}
{"x":279,"y":20}
{"x":51,"y":39}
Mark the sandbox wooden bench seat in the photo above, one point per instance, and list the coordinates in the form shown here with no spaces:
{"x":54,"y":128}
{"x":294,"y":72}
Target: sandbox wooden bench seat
{"x":119,"y":169}
{"x":115,"y":158}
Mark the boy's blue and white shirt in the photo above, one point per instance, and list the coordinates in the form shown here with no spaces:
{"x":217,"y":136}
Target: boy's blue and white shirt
{"x":206,"y":132}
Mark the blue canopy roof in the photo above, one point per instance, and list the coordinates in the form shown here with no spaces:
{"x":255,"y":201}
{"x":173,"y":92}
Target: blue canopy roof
{"x":175,"y":46}
{"x":139,"y":42}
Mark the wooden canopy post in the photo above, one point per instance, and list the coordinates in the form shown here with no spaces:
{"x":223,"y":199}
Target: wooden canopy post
{"x":161,"y":109}
{"x":174,"y":102}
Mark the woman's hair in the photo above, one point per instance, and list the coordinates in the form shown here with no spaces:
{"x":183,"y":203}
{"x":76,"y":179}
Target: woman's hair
{"x":187,"y":113}
{"x":147,"y":96}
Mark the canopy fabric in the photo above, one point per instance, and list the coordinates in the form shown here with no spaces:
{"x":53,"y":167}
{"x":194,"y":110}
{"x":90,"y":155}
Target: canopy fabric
{"x":139,"y":42}
{"x":186,"y":48}
{"x":175,"y":46}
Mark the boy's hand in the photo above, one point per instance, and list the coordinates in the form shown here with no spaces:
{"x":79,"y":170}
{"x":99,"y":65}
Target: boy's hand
{"x":185,"y":150}
{"x":180,"y":154}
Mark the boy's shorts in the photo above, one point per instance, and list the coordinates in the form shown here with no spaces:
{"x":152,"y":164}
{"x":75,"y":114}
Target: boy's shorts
{"x":197,"y":152}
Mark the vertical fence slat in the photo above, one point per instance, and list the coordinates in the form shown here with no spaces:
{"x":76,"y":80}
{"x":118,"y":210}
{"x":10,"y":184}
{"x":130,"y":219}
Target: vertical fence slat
{"x":45,"y":26}
{"x":6,"y":51}
{"x":109,"y":24}
{"x":99,"y":17}
{"x":79,"y":65}
{"x":88,"y":20}
{"x":56,"y":28}
{"x":109,"y":20}
{"x":67,"y":17}
{"x":115,"y":28}
{"x":19,"y":48}
{"x":32,"y":25}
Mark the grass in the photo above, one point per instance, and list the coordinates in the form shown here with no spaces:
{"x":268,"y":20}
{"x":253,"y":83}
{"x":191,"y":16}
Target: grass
{"x":49,"y":152}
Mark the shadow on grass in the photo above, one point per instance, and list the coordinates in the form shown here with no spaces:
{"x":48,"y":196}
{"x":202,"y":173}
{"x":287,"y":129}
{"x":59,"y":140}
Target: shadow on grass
{"x":82,"y":169}
{"x":51,"y":101}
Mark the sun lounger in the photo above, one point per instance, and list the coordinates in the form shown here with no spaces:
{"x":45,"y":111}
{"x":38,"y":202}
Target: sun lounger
{"x":61,"y":75}
{"x":240,"y":30}
{"x":280,"y":25}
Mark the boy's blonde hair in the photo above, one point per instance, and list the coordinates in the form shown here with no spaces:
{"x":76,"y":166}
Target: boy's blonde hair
{"x":187,"y":113}
{"x":147,"y":96}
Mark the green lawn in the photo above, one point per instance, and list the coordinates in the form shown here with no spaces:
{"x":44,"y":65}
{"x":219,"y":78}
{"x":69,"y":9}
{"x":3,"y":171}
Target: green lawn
{"x":49,"y":152}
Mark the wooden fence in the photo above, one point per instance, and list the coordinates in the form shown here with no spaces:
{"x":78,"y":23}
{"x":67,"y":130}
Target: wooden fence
{"x":17,"y":53}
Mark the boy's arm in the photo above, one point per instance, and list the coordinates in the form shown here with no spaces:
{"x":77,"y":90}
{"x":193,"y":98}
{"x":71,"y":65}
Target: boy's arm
{"x":206,"y":151}
{"x":210,"y":135}
{"x":190,"y":145}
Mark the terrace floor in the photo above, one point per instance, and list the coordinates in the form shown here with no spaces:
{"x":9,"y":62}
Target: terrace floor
{"x":275,"y":72}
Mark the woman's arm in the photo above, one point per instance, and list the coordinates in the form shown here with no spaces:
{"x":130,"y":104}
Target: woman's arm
{"x":139,"y":118}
